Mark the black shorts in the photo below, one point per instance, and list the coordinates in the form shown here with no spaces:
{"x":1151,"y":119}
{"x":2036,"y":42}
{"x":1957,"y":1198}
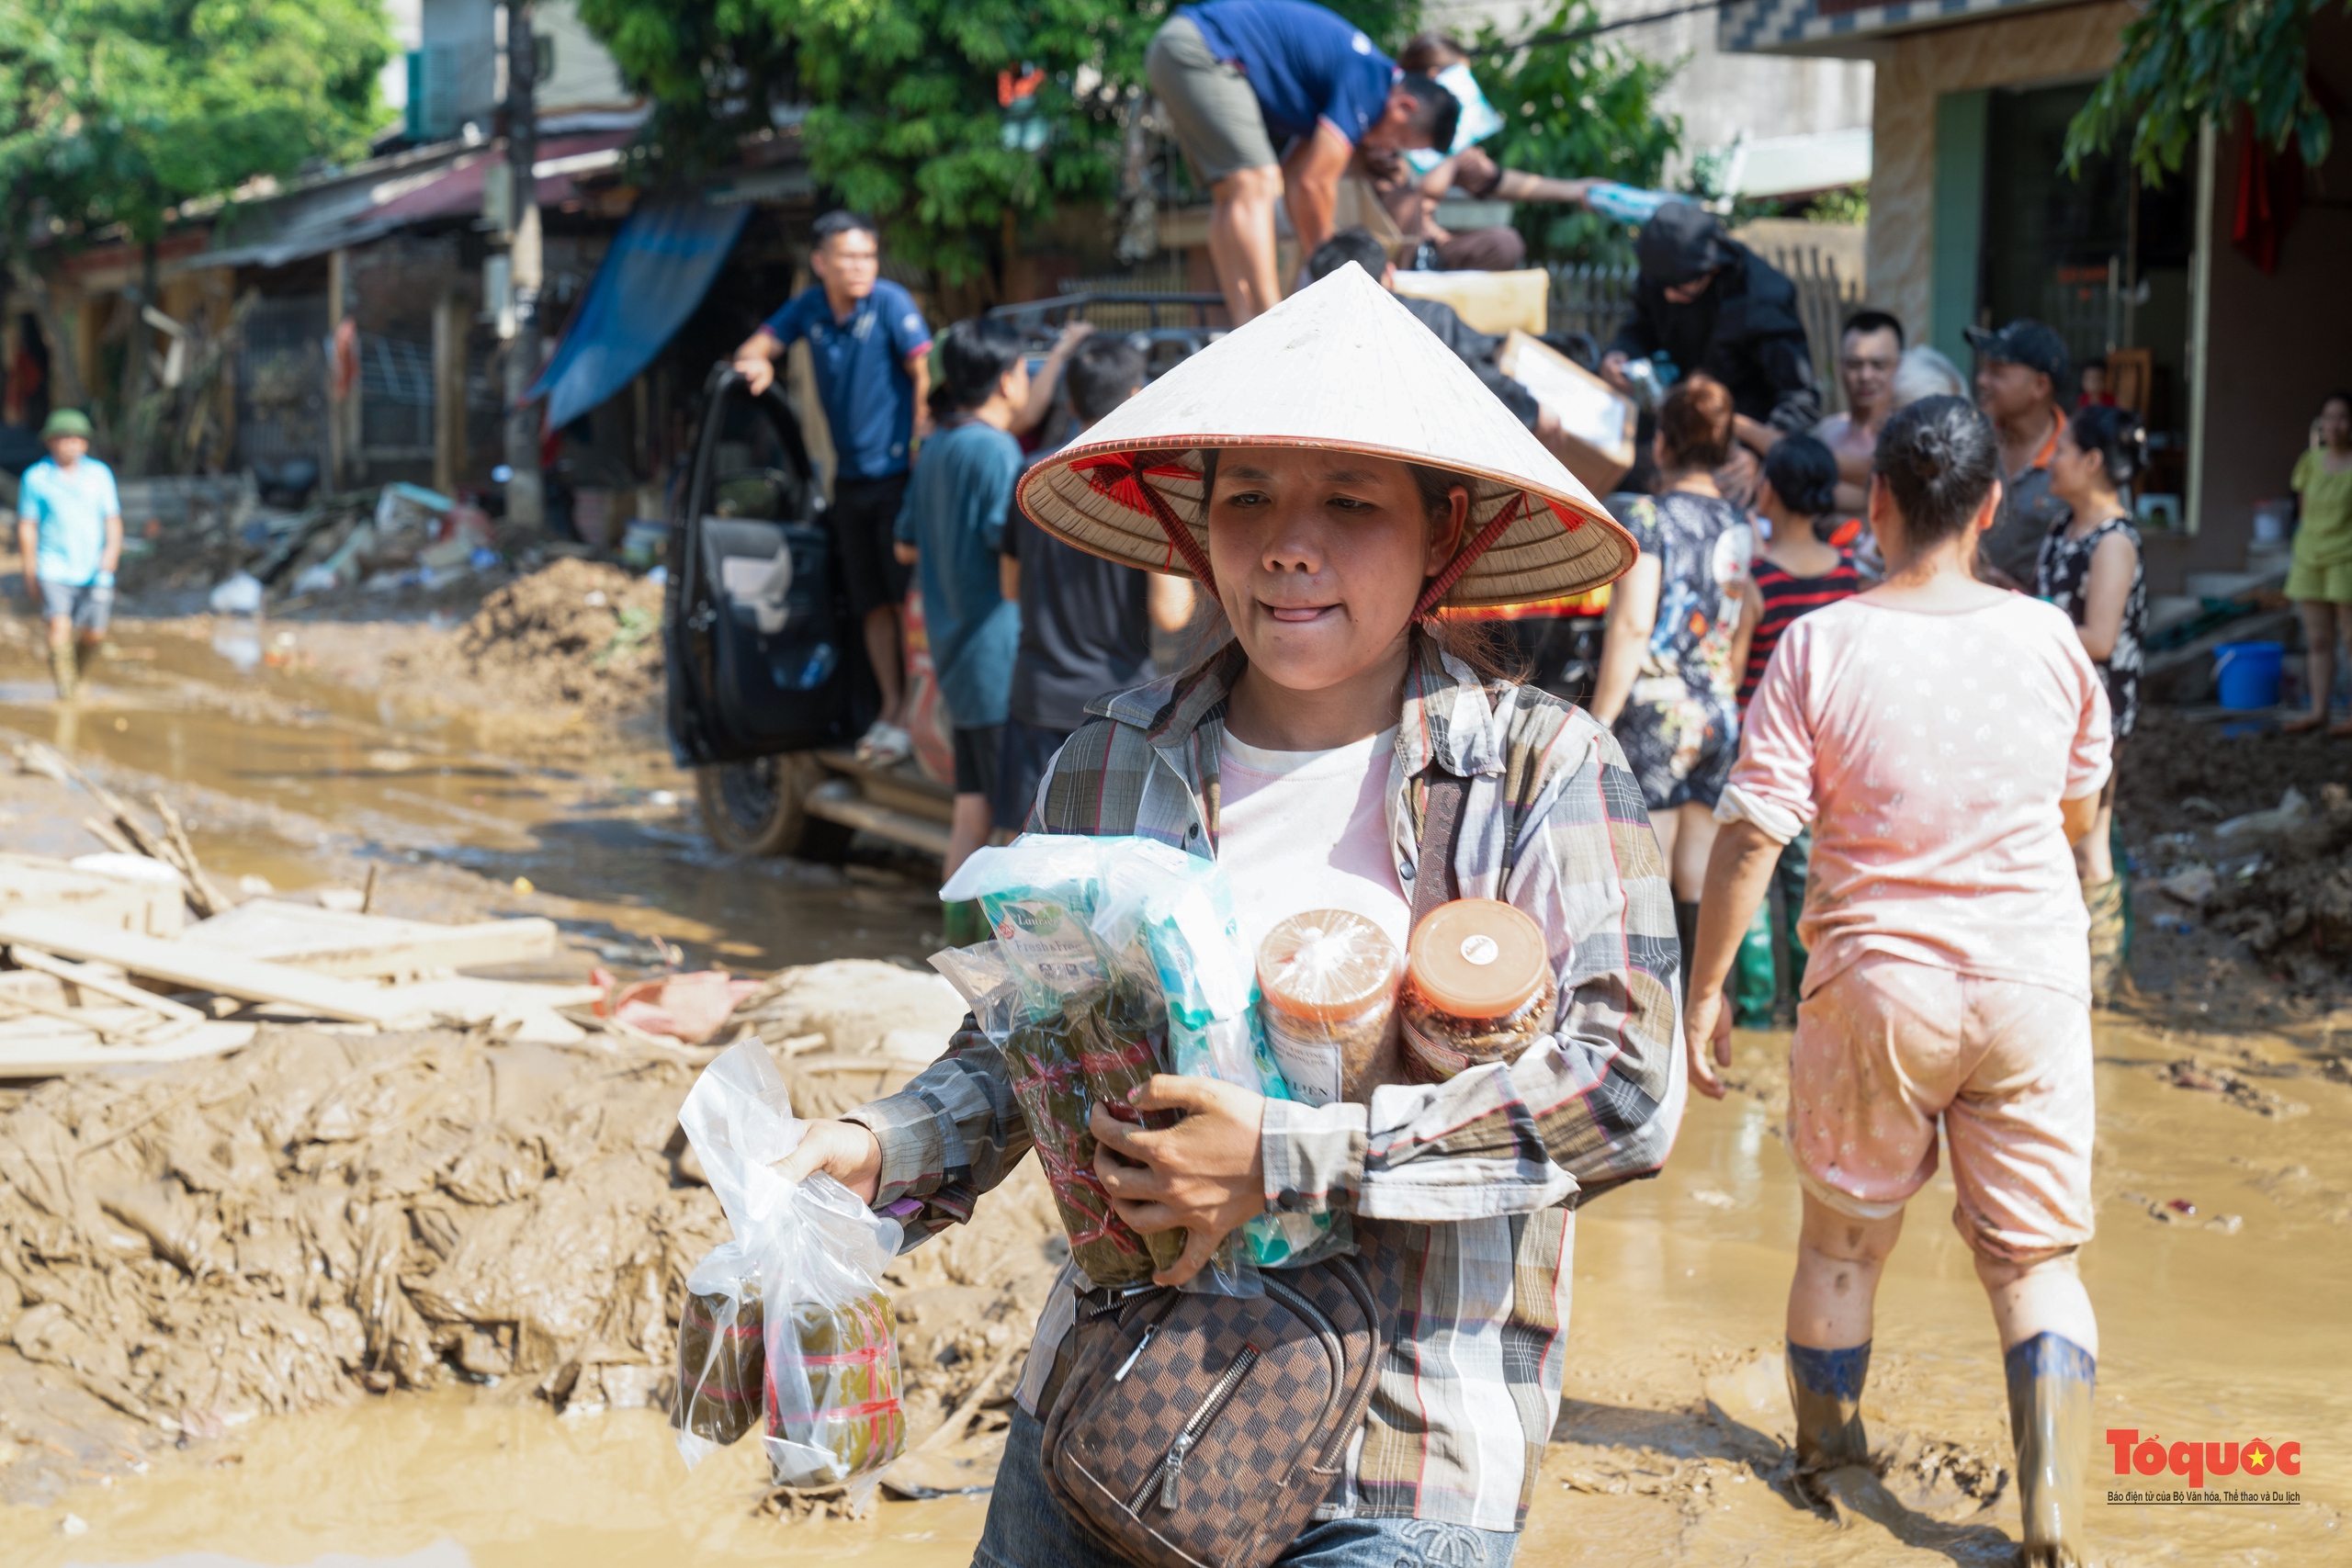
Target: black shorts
{"x":863,"y":515}
{"x":1022,"y":757}
{"x":976,"y":758}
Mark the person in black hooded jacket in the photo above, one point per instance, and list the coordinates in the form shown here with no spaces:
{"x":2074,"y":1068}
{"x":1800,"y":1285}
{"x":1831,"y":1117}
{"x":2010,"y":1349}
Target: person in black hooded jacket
{"x":1710,"y":303}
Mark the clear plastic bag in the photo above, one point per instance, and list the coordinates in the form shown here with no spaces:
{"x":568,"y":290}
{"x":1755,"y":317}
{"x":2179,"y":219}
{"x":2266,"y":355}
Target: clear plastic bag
{"x":1142,"y":937}
{"x":786,"y":1324}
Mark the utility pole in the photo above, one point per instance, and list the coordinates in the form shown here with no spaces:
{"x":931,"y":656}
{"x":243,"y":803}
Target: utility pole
{"x":525,"y":493}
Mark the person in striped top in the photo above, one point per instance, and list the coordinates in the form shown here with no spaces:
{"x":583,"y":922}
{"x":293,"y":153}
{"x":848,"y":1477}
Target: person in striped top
{"x":1797,"y":573}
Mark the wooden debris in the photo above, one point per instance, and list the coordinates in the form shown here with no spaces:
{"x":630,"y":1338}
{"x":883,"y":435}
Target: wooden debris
{"x":40,"y":886}
{"x":89,"y":979}
{"x":53,"y":1049}
{"x":203,"y":969}
{"x":202,"y":893}
{"x":333,"y":942}
{"x":109,"y":835}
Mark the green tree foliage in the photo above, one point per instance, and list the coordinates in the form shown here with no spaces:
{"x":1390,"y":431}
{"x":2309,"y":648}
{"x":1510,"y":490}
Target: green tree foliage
{"x":122,"y":110}
{"x":1575,"y":107}
{"x":898,"y":101}
{"x":2183,"y":62}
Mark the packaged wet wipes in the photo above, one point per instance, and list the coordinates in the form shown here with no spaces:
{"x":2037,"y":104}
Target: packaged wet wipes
{"x":785,"y":1325}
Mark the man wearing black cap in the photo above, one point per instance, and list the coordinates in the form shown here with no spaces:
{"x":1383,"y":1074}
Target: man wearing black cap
{"x":2020,"y":369}
{"x":1710,"y":303}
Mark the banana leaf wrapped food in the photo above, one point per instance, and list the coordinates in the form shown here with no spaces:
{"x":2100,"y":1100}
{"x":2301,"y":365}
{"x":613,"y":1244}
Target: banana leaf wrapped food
{"x":722,"y":1349}
{"x":833,"y":1408}
{"x":1097,"y":1045}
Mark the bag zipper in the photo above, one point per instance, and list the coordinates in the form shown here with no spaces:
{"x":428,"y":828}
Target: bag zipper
{"x":1168,"y":1474}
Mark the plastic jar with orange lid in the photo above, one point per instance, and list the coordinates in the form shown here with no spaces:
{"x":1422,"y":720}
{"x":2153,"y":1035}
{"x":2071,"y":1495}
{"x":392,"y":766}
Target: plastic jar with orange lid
{"x":1477,"y":987}
{"x":1327,"y":979}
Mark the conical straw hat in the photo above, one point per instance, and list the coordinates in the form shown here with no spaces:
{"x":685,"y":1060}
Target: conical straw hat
{"x":1340,"y":365}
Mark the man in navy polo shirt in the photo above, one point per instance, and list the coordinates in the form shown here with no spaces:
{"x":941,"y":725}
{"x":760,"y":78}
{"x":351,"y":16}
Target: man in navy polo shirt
{"x":1271,"y":98}
{"x":869,"y":342}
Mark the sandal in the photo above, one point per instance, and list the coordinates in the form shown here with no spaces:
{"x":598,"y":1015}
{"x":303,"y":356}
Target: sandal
{"x":884,"y":745}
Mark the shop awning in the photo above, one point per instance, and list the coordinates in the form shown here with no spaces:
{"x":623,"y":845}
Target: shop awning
{"x":657,"y":271}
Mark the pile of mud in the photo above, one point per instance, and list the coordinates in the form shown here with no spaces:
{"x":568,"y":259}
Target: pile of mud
{"x":577,"y":636}
{"x":324,"y":1215}
{"x":2178,"y":775}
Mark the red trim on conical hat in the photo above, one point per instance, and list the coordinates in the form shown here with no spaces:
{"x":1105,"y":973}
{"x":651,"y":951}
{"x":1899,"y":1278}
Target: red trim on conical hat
{"x":1121,"y":476}
{"x":1438,"y":587}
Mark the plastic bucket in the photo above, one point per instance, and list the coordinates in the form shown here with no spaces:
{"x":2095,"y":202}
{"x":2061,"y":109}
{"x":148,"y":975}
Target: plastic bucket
{"x":2247,"y":673}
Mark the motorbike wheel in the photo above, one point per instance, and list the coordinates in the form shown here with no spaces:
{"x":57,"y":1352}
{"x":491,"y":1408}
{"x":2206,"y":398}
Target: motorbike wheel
{"x":755,"y":808}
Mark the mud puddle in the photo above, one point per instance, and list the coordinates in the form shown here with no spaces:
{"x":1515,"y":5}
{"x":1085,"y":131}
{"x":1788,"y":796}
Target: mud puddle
{"x":438,"y":1481}
{"x":606,"y":828}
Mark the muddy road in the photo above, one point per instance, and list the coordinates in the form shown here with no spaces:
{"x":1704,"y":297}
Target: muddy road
{"x":2220,"y":1271}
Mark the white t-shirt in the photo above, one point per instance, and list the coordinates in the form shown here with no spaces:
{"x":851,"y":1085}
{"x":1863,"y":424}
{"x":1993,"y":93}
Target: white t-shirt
{"x":1300,"y":831}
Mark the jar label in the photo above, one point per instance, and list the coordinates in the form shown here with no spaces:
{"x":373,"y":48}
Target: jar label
{"x":1438,"y":1061}
{"x":1480,"y":949}
{"x":1308,"y":1057}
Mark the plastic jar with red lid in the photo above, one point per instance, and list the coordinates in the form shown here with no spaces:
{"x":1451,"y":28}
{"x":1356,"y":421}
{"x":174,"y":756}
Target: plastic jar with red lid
{"x":1478,"y":988}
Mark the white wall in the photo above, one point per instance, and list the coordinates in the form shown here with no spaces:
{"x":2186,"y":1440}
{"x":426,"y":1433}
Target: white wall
{"x":407,"y":18}
{"x":1718,"y":96}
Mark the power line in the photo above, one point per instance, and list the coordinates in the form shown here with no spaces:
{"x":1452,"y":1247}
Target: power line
{"x":1572,"y":34}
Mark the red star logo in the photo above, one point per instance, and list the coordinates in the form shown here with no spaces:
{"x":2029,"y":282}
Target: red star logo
{"x":2256,"y":1458}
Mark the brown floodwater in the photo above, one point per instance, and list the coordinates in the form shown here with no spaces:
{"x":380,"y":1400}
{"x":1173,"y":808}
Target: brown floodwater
{"x":1668,"y":1449}
{"x":323,"y":767}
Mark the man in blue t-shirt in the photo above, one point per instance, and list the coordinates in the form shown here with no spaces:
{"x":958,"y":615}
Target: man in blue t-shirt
{"x":69,"y":530}
{"x":951,"y":530}
{"x":868,"y":341}
{"x":1271,"y":98}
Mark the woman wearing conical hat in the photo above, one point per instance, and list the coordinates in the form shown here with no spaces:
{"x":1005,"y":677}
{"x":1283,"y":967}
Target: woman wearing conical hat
{"x":1333,"y":476}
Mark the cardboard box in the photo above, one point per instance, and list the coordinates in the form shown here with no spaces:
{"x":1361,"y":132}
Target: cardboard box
{"x":1490,"y":302}
{"x":1597,"y":421}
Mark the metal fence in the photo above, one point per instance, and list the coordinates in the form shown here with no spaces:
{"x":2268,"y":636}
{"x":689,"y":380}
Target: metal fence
{"x":281,"y":381}
{"x":1589,"y":298}
{"x":395,"y":398}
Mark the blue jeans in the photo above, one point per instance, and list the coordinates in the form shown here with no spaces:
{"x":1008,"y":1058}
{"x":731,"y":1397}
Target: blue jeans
{"x":1027,"y":1528}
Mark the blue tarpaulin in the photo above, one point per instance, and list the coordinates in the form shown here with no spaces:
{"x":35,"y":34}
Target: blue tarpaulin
{"x":660,"y":265}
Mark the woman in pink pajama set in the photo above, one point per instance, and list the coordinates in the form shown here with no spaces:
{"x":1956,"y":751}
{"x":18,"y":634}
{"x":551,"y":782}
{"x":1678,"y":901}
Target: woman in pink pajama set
{"x":1946,"y":742}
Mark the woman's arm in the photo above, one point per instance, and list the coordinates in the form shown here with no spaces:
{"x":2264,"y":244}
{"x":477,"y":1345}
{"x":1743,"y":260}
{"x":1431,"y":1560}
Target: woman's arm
{"x":1738,"y":871}
{"x":926,"y":1153}
{"x":2106,"y":595}
{"x":1625,"y":637}
{"x":1743,"y":637}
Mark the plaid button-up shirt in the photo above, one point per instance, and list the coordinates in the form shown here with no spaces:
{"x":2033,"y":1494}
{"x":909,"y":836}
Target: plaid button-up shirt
{"x":1463,"y":1192}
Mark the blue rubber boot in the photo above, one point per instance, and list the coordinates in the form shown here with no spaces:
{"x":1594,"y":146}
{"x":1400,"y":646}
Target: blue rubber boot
{"x":1825,"y":1387}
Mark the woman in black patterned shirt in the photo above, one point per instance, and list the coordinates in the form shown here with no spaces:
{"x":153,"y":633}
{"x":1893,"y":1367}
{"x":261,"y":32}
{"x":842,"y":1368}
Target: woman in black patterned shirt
{"x":2091,"y":567}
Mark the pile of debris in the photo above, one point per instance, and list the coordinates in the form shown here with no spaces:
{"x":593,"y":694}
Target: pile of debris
{"x":390,"y":538}
{"x":575,"y":636}
{"x":2294,"y":901}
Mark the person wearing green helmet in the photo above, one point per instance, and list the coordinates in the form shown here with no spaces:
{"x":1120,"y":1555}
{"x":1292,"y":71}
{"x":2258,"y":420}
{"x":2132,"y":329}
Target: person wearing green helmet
{"x":69,"y":532}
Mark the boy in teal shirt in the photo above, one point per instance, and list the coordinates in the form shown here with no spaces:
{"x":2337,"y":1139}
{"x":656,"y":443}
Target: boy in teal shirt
{"x":951,"y":527}
{"x":69,"y":532}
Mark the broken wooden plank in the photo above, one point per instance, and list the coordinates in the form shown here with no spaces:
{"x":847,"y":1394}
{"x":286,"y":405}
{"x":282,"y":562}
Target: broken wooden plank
{"x":335,"y":942}
{"x":39,"y":886}
{"x":207,"y":898}
{"x":109,"y":835}
{"x":43,"y":1058}
{"x":90,"y":980}
{"x":200,"y":968}
{"x":108,"y":1029}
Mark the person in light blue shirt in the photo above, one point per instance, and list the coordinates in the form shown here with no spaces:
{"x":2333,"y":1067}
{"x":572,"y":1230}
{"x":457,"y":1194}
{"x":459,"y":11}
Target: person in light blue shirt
{"x":69,"y":531}
{"x":951,"y":529}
